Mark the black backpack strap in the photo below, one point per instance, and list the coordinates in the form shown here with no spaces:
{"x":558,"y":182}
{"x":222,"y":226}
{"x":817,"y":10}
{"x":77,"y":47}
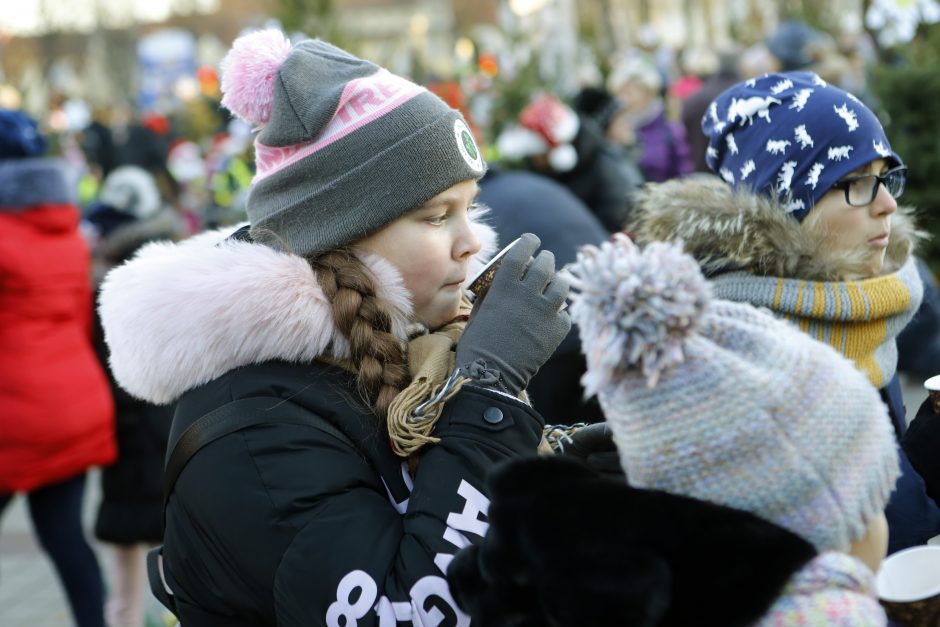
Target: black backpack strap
{"x":225,"y":420}
{"x":232,"y":417}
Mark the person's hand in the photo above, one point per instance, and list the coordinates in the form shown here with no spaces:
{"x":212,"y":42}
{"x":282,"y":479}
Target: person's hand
{"x":519,"y":324}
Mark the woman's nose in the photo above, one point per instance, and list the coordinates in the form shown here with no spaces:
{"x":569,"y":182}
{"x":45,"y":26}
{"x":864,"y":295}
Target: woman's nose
{"x":884,"y":203}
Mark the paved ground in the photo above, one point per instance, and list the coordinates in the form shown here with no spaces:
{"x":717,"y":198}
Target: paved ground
{"x":30,"y":595}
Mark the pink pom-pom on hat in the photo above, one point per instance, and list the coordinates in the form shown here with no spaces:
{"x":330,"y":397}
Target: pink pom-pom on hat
{"x":249,"y":72}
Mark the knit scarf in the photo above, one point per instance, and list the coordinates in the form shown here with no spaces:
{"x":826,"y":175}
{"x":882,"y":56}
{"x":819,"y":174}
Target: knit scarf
{"x":860,"y":319}
{"x":431,"y":362}
{"x":833,"y":589}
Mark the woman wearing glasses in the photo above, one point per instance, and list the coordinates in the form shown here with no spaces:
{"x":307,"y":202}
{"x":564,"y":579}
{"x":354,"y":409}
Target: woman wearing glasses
{"x":803,"y":220}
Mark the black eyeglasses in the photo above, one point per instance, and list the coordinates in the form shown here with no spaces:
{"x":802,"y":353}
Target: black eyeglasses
{"x":860,"y":191}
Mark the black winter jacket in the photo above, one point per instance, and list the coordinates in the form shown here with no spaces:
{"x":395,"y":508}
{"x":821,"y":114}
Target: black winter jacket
{"x":287,"y":525}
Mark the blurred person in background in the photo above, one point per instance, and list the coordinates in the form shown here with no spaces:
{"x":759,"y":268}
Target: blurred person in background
{"x":695,"y":64}
{"x":144,"y":140}
{"x":642,"y":120}
{"x":756,"y":60}
{"x":792,"y":46}
{"x":556,"y":141}
{"x":56,"y":414}
{"x":694,"y":107}
{"x":129,"y":213}
{"x":230,"y":170}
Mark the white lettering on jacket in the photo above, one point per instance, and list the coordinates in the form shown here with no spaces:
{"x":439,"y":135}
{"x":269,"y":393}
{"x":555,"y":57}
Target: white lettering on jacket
{"x":430,"y":595}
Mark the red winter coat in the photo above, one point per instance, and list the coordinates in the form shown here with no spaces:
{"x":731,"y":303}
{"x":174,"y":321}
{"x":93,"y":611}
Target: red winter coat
{"x":56,"y":412}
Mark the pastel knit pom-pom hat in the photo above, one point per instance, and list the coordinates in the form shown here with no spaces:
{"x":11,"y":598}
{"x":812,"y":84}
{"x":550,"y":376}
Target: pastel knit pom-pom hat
{"x":344,"y":147}
{"x":723,"y":402}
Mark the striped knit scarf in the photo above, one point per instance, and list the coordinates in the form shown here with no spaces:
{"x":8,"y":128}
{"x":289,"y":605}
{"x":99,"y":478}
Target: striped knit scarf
{"x":860,"y":319}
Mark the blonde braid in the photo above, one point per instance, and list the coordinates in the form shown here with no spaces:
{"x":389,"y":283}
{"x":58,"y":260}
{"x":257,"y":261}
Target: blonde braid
{"x":377,"y":355}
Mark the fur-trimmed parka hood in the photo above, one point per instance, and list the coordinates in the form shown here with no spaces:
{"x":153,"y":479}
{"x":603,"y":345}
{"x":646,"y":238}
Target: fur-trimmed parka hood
{"x":176,"y":316}
{"x":27,"y":183}
{"x":726,"y":229}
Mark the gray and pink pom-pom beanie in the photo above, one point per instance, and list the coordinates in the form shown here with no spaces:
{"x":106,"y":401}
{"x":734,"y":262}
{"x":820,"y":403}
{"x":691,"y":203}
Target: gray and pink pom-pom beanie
{"x":344,"y":147}
{"x":722,"y":402}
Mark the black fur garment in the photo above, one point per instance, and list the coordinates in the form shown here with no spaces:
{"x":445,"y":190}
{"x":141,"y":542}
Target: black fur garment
{"x":569,"y":548}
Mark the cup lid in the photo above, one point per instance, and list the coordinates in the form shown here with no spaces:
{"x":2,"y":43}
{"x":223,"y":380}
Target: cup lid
{"x":909,"y":575}
{"x":933,"y":383}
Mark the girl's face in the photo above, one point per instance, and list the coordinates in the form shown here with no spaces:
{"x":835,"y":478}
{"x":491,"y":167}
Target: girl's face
{"x":848,"y":228}
{"x":431,"y":247}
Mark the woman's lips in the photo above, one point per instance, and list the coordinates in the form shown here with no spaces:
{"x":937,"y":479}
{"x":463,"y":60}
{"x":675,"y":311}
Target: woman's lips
{"x":880,"y":241}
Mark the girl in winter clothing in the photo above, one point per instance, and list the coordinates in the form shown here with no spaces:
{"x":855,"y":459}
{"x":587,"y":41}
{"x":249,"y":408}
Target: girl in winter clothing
{"x":780,"y":448}
{"x":804,"y":221}
{"x":338,"y":319}
{"x":56,"y":414}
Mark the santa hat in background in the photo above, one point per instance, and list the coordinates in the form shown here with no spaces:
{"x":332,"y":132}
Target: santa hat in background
{"x":546,"y":126}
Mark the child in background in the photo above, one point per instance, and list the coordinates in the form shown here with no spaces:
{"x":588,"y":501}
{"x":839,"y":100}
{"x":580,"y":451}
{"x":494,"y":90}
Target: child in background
{"x":129,"y":213}
{"x":803,"y":219}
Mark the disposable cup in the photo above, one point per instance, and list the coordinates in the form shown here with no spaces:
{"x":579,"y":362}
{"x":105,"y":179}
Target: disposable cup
{"x":480,"y":284}
{"x":908,"y":585}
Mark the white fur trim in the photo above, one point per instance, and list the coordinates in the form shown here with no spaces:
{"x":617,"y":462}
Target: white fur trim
{"x":177,"y":316}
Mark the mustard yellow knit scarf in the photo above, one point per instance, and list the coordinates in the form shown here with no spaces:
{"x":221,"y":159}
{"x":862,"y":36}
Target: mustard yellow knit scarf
{"x":860,"y":319}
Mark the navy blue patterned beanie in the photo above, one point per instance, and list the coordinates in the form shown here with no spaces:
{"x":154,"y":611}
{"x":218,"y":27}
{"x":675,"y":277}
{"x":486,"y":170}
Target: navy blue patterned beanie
{"x":791,"y":135}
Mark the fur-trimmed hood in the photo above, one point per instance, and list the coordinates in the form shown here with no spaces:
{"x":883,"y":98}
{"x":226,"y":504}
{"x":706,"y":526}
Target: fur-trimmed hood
{"x":177,"y":316}
{"x":726,"y":229}
{"x":26,"y":183}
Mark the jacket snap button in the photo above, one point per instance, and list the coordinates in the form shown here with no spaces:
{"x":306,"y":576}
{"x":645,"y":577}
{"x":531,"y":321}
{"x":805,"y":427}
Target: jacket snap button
{"x":493,"y":415}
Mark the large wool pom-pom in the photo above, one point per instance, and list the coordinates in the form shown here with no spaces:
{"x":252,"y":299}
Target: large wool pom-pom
{"x":634,"y":308}
{"x":249,"y":71}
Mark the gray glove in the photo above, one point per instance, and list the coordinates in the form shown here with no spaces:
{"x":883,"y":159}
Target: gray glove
{"x":518,"y":326}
